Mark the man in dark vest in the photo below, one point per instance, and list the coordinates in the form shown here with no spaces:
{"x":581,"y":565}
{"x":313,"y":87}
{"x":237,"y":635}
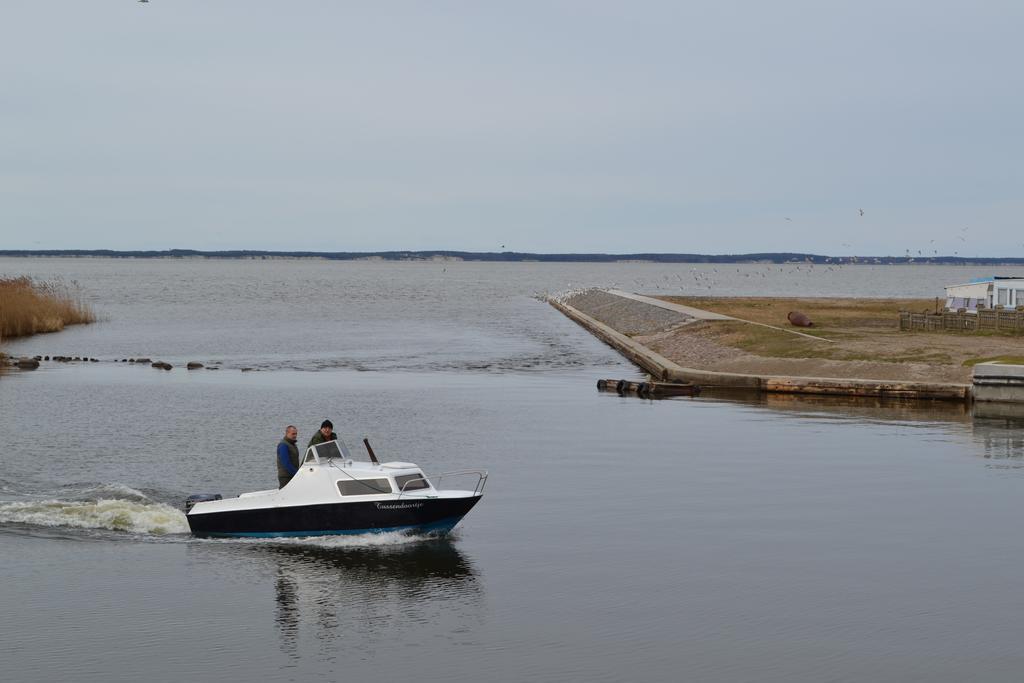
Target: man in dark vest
{"x":287,"y":456}
{"x":324,"y":434}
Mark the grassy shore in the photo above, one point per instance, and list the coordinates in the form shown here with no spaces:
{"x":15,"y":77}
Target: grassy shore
{"x":30,"y":306}
{"x":827,"y":313}
{"x":863,"y":337}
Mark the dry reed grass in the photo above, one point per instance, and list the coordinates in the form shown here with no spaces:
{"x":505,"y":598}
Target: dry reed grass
{"x":29,"y":306}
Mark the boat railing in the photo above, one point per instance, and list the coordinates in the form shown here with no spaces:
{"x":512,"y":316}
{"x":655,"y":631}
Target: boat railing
{"x":478,"y":488}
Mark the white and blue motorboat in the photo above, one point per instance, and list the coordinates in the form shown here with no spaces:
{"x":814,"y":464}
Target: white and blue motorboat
{"x":334,"y":494}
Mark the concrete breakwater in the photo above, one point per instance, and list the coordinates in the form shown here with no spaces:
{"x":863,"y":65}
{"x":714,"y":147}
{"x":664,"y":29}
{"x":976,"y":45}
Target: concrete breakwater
{"x":616,"y":318}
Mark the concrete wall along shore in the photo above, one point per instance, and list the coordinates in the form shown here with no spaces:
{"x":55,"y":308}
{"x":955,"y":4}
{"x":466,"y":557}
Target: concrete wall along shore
{"x":615,"y":319}
{"x":999,"y":382}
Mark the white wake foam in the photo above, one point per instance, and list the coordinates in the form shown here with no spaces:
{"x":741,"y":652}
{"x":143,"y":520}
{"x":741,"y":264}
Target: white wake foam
{"x":106,"y":513}
{"x":368,"y":540}
{"x":113,"y":490}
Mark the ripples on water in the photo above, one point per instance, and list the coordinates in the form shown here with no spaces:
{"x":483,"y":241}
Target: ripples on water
{"x":719,"y":538}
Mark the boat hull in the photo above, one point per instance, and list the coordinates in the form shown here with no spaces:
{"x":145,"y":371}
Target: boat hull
{"x":411,"y":515}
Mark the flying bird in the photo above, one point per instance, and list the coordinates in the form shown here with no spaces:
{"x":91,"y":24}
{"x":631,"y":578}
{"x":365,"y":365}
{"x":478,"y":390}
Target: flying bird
{"x":861,"y":211}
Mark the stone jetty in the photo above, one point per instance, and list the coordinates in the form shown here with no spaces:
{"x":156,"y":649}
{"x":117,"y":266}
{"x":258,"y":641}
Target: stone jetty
{"x":617,"y":317}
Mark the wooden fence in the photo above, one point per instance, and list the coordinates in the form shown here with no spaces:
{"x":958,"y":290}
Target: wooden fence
{"x":994,"y":320}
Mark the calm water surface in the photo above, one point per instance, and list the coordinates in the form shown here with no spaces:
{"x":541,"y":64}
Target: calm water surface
{"x":704,"y":539}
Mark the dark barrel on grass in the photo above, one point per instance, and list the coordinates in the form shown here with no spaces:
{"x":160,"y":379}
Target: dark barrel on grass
{"x":798,"y":319}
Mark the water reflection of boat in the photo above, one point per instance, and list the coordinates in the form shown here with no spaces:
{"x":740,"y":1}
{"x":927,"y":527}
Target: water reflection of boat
{"x":360,"y":593}
{"x":333,"y":494}
{"x":332,"y":595}
{"x":406,"y":565}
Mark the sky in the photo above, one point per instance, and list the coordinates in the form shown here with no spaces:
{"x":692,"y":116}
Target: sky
{"x":696,"y":127}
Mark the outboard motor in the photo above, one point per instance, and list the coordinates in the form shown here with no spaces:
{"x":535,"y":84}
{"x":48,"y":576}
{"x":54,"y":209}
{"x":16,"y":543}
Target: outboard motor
{"x":200,"y":498}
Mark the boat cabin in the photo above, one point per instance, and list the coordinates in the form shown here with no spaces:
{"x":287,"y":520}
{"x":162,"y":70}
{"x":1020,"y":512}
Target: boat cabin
{"x":362,"y":478}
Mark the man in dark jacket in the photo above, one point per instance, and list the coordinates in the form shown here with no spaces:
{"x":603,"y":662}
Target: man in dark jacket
{"x":324,"y":434}
{"x":287,"y":456}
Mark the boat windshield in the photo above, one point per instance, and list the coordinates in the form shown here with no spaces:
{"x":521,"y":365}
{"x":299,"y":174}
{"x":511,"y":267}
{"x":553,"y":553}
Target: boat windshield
{"x":331,"y":449}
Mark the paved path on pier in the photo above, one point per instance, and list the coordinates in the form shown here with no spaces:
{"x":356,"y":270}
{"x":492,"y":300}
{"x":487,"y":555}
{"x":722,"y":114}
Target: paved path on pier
{"x":698,"y":314}
{"x":667,"y":305}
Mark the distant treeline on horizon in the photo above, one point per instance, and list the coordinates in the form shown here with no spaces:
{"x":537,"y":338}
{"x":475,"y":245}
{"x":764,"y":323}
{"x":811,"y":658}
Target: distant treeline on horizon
{"x":514,"y":256}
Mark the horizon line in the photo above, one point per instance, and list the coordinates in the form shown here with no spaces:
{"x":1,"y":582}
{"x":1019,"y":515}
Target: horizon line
{"x":515,"y":256}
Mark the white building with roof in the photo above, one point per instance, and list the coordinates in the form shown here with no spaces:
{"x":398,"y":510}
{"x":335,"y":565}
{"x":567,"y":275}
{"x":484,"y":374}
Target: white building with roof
{"x":989,"y":292}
